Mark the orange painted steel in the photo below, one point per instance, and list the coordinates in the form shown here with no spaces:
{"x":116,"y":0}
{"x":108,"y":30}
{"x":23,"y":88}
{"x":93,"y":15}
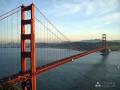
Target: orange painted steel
{"x":17,"y":78}
{"x":23,"y":43}
{"x":28,"y":77}
{"x":28,"y":54}
{"x":104,"y":42}
{"x":33,"y":50}
{"x":65,"y":60}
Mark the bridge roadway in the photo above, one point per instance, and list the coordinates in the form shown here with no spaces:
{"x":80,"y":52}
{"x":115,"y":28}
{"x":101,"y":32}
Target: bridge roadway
{"x":19,"y":77}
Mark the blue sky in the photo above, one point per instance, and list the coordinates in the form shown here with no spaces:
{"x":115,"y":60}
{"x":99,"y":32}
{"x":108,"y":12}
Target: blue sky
{"x":78,"y":19}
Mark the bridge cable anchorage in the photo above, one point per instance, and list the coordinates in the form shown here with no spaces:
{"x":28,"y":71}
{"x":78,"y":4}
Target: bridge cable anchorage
{"x":72,"y":45}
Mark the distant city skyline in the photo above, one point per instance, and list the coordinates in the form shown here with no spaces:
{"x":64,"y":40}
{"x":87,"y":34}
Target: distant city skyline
{"x":77,"y":19}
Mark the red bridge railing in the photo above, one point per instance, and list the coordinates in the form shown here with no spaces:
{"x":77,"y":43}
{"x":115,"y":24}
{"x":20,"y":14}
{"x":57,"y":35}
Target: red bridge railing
{"x":28,"y":76}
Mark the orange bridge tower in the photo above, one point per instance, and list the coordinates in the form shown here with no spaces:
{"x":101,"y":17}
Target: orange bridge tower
{"x":25,"y":54}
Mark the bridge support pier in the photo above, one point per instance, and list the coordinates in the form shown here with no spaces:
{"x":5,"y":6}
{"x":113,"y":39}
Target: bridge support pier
{"x":31,"y":55}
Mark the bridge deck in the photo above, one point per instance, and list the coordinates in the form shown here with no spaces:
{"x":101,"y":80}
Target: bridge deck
{"x":21,"y":77}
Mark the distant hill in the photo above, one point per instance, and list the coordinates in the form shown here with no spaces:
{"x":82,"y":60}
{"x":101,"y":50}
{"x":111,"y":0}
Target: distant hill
{"x":91,"y":41}
{"x":92,"y":44}
{"x":114,"y":45}
{"x":81,"y":45}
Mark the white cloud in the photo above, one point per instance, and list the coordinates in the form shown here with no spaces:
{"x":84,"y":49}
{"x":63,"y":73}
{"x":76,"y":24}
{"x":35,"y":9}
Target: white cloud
{"x":62,"y":8}
{"x":110,"y":18}
{"x":90,"y":9}
{"x":102,"y":21}
{"x":99,"y":7}
{"x":65,"y":9}
{"x":99,"y":13}
{"x":84,"y":7}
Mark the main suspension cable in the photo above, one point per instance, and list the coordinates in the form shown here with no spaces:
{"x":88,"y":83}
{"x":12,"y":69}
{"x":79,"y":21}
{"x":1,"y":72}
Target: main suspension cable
{"x":70,"y":42}
{"x":10,"y":13}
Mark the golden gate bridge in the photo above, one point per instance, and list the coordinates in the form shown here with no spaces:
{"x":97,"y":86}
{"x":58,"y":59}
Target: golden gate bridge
{"x":26,"y":28}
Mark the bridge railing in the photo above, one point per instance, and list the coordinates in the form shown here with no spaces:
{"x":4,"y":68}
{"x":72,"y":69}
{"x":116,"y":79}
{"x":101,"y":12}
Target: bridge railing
{"x":50,"y":42}
{"x":53,"y":48}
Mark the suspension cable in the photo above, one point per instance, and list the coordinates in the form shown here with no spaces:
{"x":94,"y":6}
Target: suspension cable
{"x":49,"y":30}
{"x":10,"y":13}
{"x":76,"y":47}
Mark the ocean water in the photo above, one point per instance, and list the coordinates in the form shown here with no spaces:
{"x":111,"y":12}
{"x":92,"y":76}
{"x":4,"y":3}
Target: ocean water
{"x":93,"y":72}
